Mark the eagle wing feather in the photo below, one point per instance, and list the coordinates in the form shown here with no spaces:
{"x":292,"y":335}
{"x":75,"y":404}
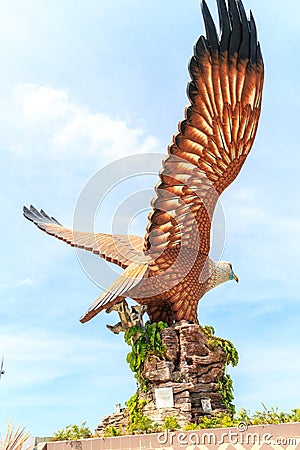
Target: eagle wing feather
{"x":120,"y":249}
{"x":216,"y":135}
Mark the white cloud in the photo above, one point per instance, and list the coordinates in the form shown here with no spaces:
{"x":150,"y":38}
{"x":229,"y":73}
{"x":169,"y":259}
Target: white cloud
{"x":68,"y":132}
{"x":51,"y":147}
{"x":41,"y":103}
{"x":93,"y":131}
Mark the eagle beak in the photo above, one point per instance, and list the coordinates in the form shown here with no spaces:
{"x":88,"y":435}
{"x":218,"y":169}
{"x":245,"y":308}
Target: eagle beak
{"x":235,"y":277}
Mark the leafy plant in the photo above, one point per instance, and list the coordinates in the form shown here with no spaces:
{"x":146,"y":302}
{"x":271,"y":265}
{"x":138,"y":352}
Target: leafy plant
{"x":15,"y":438}
{"x":208,"y":329}
{"x":171,"y":424}
{"x":221,"y":420}
{"x":73,"y":433}
{"x":135,"y":406}
{"x":137,"y":421}
{"x":218,"y":421}
{"x":226,"y":390}
{"x":294,"y":415}
{"x":111,"y":431}
{"x":141,"y":424}
{"x":243,"y":416}
{"x":272,"y":415}
{"x":156,"y":428}
{"x":266,"y":416}
{"x":144,"y":342}
{"x":232,"y":357}
{"x":191,"y":426}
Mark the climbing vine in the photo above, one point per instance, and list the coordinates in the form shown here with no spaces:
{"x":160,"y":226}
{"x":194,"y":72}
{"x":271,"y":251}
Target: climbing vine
{"x":137,"y":421}
{"x":144,"y":341}
{"x":232,"y":357}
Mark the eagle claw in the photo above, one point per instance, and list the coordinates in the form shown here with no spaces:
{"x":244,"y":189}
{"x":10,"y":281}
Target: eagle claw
{"x":128,"y":318}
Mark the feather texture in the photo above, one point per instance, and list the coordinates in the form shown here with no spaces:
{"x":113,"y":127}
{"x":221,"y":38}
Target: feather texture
{"x":169,"y":270}
{"x":120,"y":249}
{"x":217,"y":133}
{"x":128,"y":280}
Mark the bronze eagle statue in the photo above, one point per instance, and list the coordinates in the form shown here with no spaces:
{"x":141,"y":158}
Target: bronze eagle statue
{"x":169,"y":270}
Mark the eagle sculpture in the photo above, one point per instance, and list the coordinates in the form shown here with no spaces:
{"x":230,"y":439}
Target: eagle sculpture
{"x":169,"y":270}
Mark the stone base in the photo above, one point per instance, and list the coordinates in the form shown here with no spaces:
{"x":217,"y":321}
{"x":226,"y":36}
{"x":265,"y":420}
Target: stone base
{"x":192,"y":368}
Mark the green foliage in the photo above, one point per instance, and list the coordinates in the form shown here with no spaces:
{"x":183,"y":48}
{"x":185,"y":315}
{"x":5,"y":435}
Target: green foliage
{"x":220,"y":420}
{"x":73,"y":433}
{"x":272,"y":415}
{"x":171,"y":424}
{"x":226,"y":390}
{"x":294,"y":415}
{"x":141,"y":424}
{"x":144,"y":341}
{"x":135,"y":406}
{"x":111,"y":431}
{"x":242,"y":416}
{"x":137,"y":421}
{"x":191,"y":426}
{"x":232,"y":357}
{"x":268,"y":416}
{"x":208,"y":330}
{"x":156,"y":428}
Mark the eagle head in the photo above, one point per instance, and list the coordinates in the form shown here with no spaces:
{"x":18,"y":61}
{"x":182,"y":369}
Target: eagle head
{"x":223,"y":271}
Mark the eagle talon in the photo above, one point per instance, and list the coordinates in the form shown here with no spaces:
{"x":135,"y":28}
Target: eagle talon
{"x":127,"y":319}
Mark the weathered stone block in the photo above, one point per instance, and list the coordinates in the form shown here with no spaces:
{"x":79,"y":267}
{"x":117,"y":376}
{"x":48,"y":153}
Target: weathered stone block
{"x":170,"y":340}
{"x":183,"y":394}
{"x":158,"y":371}
{"x":192,"y":368}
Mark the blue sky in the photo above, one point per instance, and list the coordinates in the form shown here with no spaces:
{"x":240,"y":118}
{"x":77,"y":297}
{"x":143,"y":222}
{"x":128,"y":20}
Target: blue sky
{"x":82,"y":84}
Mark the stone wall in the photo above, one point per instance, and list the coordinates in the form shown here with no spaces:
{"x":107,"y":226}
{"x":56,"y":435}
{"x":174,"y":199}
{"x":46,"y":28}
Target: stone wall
{"x":192,"y":368}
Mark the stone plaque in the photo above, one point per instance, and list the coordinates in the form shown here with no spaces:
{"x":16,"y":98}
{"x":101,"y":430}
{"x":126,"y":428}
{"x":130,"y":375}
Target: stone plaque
{"x":206,"y":405}
{"x":164,"y":398}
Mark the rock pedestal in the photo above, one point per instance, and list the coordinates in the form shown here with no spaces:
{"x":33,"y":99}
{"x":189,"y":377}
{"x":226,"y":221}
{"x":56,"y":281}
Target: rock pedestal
{"x":192,"y":368}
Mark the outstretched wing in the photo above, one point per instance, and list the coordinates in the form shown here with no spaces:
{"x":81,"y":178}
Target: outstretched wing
{"x":131,"y":276}
{"x":216,"y":135}
{"x":119,"y":249}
